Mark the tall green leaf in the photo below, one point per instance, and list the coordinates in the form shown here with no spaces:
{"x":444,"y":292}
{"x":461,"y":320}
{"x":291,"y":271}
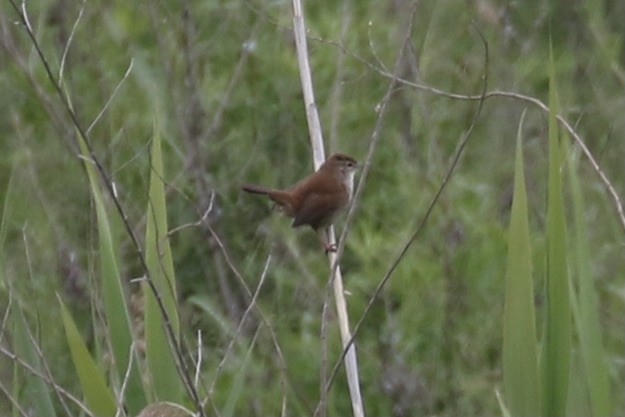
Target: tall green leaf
{"x":164,"y":376}
{"x":586,"y":315}
{"x":557,"y":337}
{"x":99,"y":398}
{"x":114,"y":300}
{"x":520,"y":356}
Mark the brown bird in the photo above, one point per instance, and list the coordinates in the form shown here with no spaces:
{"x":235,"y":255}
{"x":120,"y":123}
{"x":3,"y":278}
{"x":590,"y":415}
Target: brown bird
{"x":317,"y":199}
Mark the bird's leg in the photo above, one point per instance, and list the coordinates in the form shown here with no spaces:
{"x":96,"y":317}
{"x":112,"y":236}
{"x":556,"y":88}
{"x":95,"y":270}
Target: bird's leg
{"x":322,"y":233}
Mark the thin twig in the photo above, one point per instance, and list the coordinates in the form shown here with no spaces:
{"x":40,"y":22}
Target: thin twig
{"x":22,"y":363}
{"x":122,"y":391}
{"x":171,"y":335}
{"x":112,"y":96}
{"x":197,"y":223}
{"x":6,"y":312}
{"x":198,"y":365}
{"x":247,"y":48}
{"x":24,"y":65}
{"x":335,"y":116}
{"x":240,"y":325}
{"x":422,"y":223}
{"x":204,"y":222}
{"x":259,"y":311}
{"x":174,"y":344}
{"x":347,"y":345}
{"x":33,"y":341}
{"x":69,"y":41}
{"x":14,"y":402}
{"x":617,"y":201}
{"x":372,"y":48}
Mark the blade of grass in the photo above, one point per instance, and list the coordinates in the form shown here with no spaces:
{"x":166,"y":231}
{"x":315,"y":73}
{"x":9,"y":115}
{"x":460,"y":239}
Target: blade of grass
{"x":557,"y":338}
{"x":520,"y":355}
{"x":34,"y":393}
{"x":578,"y":403}
{"x":99,"y":398}
{"x":212,"y":311}
{"x":586,"y":319}
{"x":6,"y":210}
{"x":238,"y":385}
{"x":114,"y":301}
{"x":161,"y":365}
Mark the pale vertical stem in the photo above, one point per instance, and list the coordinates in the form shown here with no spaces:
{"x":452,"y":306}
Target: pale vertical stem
{"x":314,"y":128}
{"x":312,"y":116}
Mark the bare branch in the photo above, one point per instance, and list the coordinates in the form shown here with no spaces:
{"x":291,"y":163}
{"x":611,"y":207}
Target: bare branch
{"x":259,"y":311}
{"x":240,"y":326}
{"x":22,"y":363}
{"x":69,"y":41}
{"x":198,"y":223}
{"x":33,"y":341}
{"x":108,"y":184}
{"x":198,"y":365}
{"x":122,"y":391}
{"x":14,"y":402}
{"x":617,"y":201}
{"x":6,"y":312}
{"x":113,"y":94}
{"x":462,"y":144}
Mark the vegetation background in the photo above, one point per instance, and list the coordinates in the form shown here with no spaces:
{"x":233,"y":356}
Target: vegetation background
{"x":220,"y":79}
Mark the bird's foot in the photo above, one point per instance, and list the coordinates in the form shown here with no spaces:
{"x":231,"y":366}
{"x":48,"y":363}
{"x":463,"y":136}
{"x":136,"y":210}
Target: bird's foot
{"x":330,"y":248}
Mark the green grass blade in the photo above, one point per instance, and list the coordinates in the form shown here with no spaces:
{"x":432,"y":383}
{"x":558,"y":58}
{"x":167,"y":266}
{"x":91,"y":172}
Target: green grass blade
{"x":520,"y":356}
{"x":29,"y":389}
{"x":6,"y":210}
{"x":578,"y":403}
{"x":165,"y":379}
{"x":211,"y":310}
{"x":587,"y":322}
{"x":114,"y":300}
{"x":238,"y":386}
{"x":557,"y":337}
{"x":35,"y":392}
{"x":98,"y":397}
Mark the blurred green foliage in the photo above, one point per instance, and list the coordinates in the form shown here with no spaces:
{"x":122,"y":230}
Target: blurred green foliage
{"x":222,"y":79}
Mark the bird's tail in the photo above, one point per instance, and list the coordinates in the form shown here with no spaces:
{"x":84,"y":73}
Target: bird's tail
{"x":281,"y":198}
{"x":256,"y":189}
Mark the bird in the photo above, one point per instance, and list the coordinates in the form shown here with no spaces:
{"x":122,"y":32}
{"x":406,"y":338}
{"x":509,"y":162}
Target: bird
{"x":317,"y":199}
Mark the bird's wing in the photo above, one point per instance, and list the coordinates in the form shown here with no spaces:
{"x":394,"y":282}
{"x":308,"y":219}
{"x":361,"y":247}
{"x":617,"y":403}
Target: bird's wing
{"x":318,"y":210}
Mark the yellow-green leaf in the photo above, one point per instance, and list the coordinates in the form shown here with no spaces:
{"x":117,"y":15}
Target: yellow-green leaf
{"x":98,"y":396}
{"x":113,"y":297}
{"x":596,"y":380}
{"x":520,"y":356}
{"x":162,"y":368}
{"x":557,"y":336}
